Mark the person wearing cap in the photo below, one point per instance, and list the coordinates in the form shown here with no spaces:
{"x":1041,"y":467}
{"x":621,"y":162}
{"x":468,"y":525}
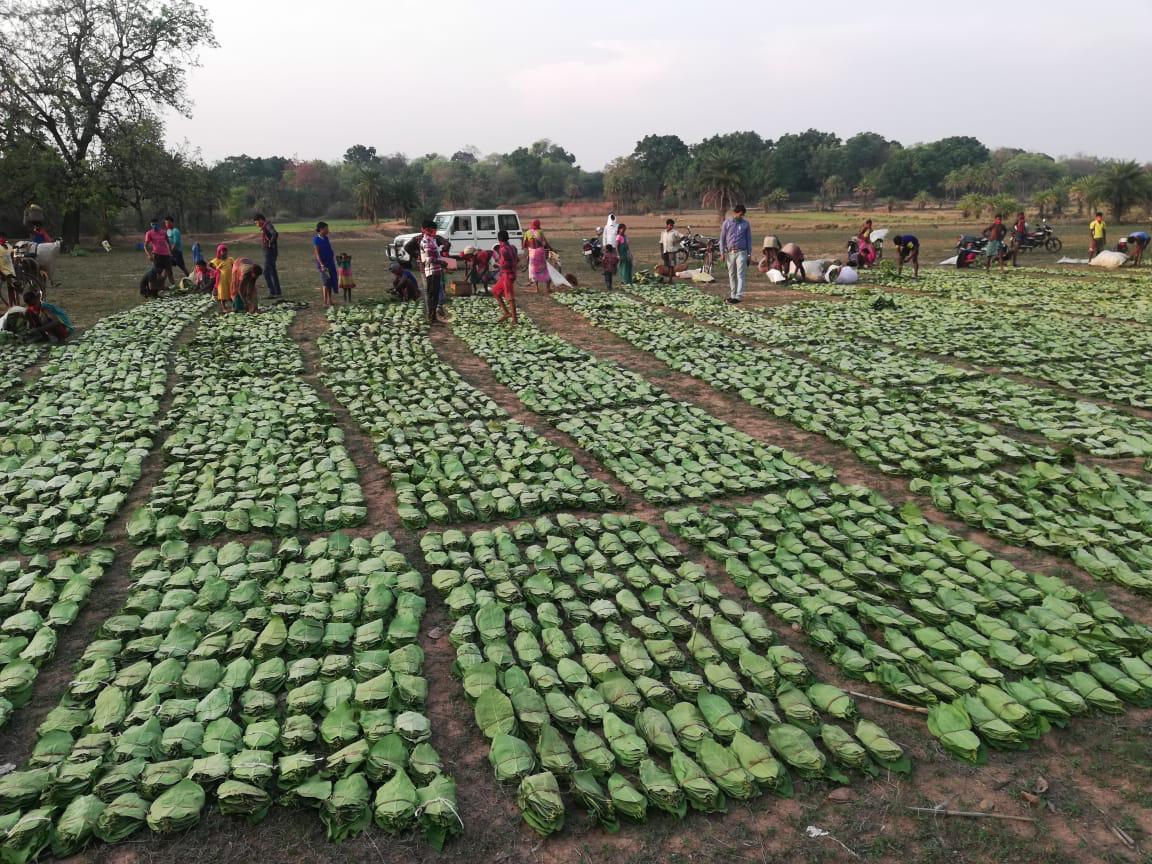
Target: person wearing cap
{"x":404,"y":284}
{"x":908,"y":248}
{"x":791,"y":259}
{"x":670,"y":240}
{"x":736,"y":247}
{"x":768,"y":259}
{"x":478,"y":268}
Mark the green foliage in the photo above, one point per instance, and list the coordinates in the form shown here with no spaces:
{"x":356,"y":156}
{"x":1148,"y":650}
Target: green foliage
{"x":1122,"y":185}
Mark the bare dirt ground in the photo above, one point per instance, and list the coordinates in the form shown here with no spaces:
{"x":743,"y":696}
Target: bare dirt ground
{"x":1088,"y":788}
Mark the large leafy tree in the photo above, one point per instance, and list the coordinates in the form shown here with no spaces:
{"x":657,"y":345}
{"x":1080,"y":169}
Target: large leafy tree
{"x":1123,"y":185}
{"x":656,"y":154}
{"x":75,"y":69}
{"x":137,"y":166}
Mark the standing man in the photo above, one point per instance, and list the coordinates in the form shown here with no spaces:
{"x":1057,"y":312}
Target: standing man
{"x":996,"y":232}
{"x":325,"y":262}
{"x":433,"y":269}
{"x":156,"y":245}
{"x":175,"y":243}
{"x":669,"y":243}
{"x":736,"y":247}
{"x":1099,"y":233}
{"x":270,"y":240}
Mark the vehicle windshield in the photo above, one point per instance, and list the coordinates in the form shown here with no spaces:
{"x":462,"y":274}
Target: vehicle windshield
{"x":443,"y":222}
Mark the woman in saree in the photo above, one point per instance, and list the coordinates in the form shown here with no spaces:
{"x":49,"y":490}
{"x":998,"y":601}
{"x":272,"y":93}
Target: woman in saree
{"x":244,"y":276}
{"x":624,"y":250}
{"x":222,"y":264}
{"x":537,"y":247}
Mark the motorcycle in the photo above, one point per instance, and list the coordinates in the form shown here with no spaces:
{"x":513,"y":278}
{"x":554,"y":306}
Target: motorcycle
{"x":1044,"y":238}
{"x":593,"y":251}
{"x":696,"y":246}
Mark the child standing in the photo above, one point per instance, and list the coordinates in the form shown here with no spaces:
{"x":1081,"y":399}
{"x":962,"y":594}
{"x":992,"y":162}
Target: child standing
{"x":610,"y":262}
{"x":507,"y":260}
{"x":325,"y":262}
{"x":344,"y":265}
{"x":222,"y":264}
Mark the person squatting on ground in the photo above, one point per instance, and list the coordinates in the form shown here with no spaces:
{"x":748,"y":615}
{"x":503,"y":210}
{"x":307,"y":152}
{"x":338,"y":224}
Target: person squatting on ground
{"x":325,"y":262}
{"x":736,"y":247}
{"x":507,"y":262}
{"x":791,"y":261}
{"x":404,"y":284}
{"x":1137,"y":243}
{"x":669,"y":244}
{"x":45,"y":322}
{"x":478,"y":269}
{"x":270,"y":241}
{"x":222,"y":264}
{"x":908,"y":252}
{"x":769,"y":259}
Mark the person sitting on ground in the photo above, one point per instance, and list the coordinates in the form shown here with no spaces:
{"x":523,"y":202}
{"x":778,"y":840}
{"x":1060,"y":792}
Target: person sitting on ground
{"x":244,"y":275}
{"x":478,"y":269}
{"x":996,"y":232}
{"x":151,"y":283}
{"x":507,"y":262}
{"x":908,"y":249}
{"x":203,"y":277}
{"x":1137,"y":243}
{"x":45,"y":322}
{"x":404,"y":284}
{"x":791,"y":261}
{"x":769,"y":260}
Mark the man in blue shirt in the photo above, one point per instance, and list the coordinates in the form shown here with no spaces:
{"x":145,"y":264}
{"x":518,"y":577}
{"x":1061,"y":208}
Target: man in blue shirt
{"x":908,"y":248}
{"x":736,"y":247}
{"x":325,"y":261}
{"x":1137,"y":243}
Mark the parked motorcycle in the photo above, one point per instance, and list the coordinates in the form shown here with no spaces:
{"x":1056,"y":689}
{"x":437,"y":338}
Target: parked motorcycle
{"x":593,"y":251}
{"x":696,"y":246}
{"x":1045,"y":238}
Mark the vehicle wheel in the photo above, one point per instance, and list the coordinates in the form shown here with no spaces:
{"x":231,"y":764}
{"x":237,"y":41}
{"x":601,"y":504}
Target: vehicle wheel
{"x":1054,"y":244}
{"x":681,"y":256}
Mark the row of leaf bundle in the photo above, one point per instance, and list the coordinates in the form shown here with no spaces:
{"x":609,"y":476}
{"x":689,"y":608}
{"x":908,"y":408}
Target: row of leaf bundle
{"x":915,"y":382}
{"x":250,"y":446}
{"x":453,"y":454}
{"x":39,"y":598}
{"x":932,"y":618}
{"x":1124,"y":297}
{"x":242,"y":676}
{"x":601,"y":662}
{"x":16,"y":357}
{"x":1093,"y":515}
{"x":667,"y":451}
{"x":72,"y":443}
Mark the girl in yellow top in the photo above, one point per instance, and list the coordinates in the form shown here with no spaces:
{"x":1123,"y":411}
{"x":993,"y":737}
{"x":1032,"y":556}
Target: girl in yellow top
{"x":222,"y":264}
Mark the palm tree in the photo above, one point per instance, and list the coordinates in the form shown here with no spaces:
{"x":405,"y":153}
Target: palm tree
{"x":1050,"y":201}
{"x":831,"y":190}
{"x":369,"y":192}
{"x":955,"y":183}
{"x":777,"y":199}
{"x":719,"y":180}
{"x":865,"y":192}
{"x":972,"y":205}
{"x":1122,"y":185}
{"x":922,"y":200}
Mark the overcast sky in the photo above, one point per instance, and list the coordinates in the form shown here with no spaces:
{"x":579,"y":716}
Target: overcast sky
{"x":308,"y":79}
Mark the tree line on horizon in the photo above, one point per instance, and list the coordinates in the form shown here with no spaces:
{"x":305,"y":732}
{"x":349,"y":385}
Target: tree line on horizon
{"x":83,"y":83}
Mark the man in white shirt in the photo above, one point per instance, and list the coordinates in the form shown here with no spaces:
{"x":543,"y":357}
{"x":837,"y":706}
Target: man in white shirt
{"x":669,"y":244}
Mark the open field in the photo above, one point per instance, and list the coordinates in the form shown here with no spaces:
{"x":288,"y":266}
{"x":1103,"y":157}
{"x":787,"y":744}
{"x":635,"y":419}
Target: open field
{"x":1005,"y":420}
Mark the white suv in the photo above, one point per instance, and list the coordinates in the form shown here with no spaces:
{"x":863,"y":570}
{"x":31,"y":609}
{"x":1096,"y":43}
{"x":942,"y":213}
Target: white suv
{"x":463,"y":228}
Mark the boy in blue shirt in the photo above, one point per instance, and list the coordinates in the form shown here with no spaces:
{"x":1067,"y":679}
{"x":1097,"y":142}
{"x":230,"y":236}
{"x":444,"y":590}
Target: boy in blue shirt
{"x":325,"y":261}
{"x":909,"y":249}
